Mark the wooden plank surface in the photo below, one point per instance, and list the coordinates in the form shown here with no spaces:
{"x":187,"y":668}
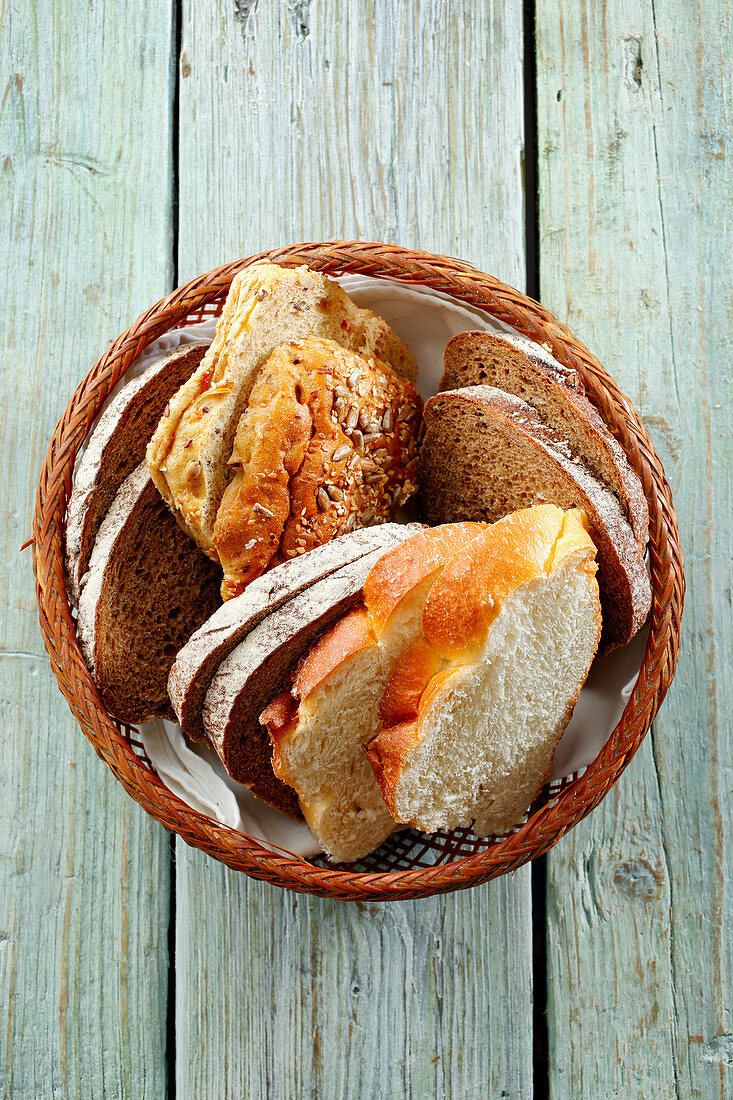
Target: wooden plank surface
{"x":635,"y":180}
{"x":85,"y":209}
{"x":395,"y":122}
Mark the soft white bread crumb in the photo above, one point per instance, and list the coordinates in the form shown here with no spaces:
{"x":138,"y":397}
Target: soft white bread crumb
{"x":487,"y":738}
{"x":474,"y":711}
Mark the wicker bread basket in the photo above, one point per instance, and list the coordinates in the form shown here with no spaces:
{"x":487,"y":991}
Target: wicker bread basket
{"x":409,"y":865}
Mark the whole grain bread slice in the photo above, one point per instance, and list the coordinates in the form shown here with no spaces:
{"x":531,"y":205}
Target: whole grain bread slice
{"x":266,"y":306}
{"x":115,"y":447}
{"x":256,"y":670}
{"x":487,"y":453}
{"x":147,"y":589}
{"x":199,"y":659}
{"x":516,"y":365}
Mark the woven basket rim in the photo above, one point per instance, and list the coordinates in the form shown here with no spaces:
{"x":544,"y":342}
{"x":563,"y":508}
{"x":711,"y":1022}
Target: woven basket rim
{"x":115,"y":745}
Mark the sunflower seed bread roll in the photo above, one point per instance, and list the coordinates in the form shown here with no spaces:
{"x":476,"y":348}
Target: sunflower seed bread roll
{"x":266,"y":306}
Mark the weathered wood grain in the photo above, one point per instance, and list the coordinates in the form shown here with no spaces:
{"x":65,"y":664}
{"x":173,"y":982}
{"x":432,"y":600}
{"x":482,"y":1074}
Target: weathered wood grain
{"x":394,"y":122}
{"x":635,"y":180}
{"x":85,"y":209}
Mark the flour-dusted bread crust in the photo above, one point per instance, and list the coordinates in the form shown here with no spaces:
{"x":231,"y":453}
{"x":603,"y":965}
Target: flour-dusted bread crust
{"x":256,"y":670}
{"x":475,"y":708}
{"x":487,"y":453}
{"x":199,"y":659}
{"x":319,"y":726}
{"x":327,"y":444}
{"x":115,"y":447}
{"x":147,"y":589}
{"x":266,"y":306}
{"x":516,"y":365}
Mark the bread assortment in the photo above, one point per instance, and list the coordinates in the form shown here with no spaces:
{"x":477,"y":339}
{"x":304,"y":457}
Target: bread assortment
{"x":319,"y":726}
{"x":267,"y":306}
{"x":363,"y":675}
{"x":507,"y":458}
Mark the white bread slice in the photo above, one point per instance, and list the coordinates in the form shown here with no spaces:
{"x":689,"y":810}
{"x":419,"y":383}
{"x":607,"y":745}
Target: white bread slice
{"x":147,"y":589}
{"x":474,"y":711}
{"x":318,"y":728}
{"x":266,"y":306}
{"x":257,"y":668}
{"x":195,"y":664}
{"x":514,"y":364}
{"x":115,"y":447}
{"x":486,"y":453}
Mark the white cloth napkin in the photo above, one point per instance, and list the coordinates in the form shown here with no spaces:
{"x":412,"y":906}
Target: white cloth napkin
{"x":425,"y":320}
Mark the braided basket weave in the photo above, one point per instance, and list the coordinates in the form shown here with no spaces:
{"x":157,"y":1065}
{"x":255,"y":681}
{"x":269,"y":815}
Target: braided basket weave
{"x":408,"y":865}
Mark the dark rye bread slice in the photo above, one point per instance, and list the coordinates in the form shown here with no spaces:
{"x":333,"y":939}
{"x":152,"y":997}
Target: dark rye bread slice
{"x":516,"y":365}
{"x":487,"y":453}
{"x":254,"y":673}
{"x":199,"y":659}
{"x":147,"y":589}
{"x":115,"y":447}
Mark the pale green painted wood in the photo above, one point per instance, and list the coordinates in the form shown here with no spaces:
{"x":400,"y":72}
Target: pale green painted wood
{"x":394,"y":122}
{"x":85,"y":210}
{"x":635,"y":178}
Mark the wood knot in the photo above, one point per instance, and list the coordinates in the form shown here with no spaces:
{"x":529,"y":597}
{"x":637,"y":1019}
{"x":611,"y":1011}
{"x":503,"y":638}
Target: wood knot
{"x":637,"y":879}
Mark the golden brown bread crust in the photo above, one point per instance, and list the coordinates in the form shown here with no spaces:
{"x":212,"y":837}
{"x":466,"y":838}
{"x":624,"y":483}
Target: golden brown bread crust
{"x":266,"y":306}
{"x":327,"y":444}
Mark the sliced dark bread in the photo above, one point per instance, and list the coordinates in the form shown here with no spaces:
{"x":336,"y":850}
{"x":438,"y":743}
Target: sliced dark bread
{"x":516,"y":365}
{"x":253,"y":674}
{"x":116,"y":446}
{"x":487,"y":453}
{"x":199,"y":659}
{"x":148,"y":587}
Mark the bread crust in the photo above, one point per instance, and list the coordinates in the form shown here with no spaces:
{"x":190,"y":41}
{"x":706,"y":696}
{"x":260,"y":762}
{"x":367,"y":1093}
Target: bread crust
{"x":468,"y":481}
{"x":514,"y":364}
{"x":196,"y":664}
{"x":327,"y":444}
{"x":407,"y":565}
{"x":266,"y":306}
{"x":113,"y":450}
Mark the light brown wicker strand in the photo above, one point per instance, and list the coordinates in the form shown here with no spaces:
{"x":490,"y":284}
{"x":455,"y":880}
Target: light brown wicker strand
{"x":553,"y":815}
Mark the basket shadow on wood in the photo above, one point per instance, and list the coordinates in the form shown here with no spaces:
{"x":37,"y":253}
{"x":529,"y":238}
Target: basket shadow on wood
{"x":409,"y":864}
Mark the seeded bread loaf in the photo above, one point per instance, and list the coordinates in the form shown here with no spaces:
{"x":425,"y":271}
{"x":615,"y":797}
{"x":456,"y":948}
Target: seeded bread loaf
{"x":266,"y":306}
{"x":516,"y":365}
{"x":326,"y":444}
{"x":147,"y":589}
{"x":486,"y":453}
{"x":318,"y":726}
{"x":198,"y":660}
{"x":256,"y":670}
{"x":475,"y":708}
{"x":115,"y":447}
